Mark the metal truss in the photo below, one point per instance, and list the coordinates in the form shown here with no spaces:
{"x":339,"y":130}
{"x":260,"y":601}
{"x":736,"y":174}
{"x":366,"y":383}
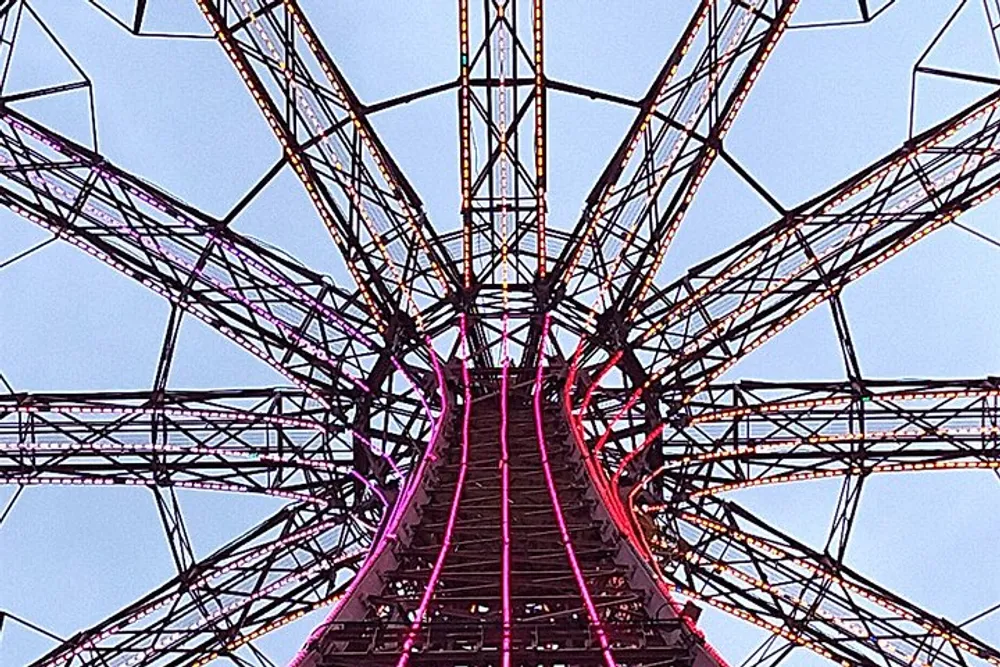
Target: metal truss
{"x":637,"y":204}
{"x":298,"y":322}
{"x":461,"y":487}
{"x":501,"y":106}
{"x":372,"y":212}
{"x":274,"y":442}
{"x":282,"y":445}
{"x":701,"y":325}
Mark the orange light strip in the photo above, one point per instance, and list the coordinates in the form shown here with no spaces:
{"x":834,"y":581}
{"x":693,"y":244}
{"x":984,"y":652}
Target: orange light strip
{"x":264,"y":629}
{"x":776,"y":31}
{"x":465,"y":129}
{"x":538,"y":33}
{"x":700,"y":15}
{"x":815,"y":259}
{"x":825,"y":474}
{"x":806,"y":404}
{"x":265,"y":104}
{"x":340,"y":87}
{"x":706,"y":158}
{"x":282,"y":133}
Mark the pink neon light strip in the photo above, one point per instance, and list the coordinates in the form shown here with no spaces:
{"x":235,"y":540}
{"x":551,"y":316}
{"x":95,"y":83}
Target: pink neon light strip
{"x":402,"y":504}
{"x":505,"y":517}
{"x":504,"y":166}
{"x":425,"y":601}
{"x":595,"y":618}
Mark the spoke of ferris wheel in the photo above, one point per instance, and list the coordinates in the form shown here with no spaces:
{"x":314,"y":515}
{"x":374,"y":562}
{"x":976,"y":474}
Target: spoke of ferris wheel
{"x":634,"y":210}
{"x":299,"y":323}
{"x":253,"y":441}
{"x":777,"y":434}
{"x":373,"y":214}
{"x":502,"y":93}
{"x":269,"y":441}
{"x":804,"y":422}
{"x":698,"y":327}
{"x":715,"y":551}
{"x":296,"y":561}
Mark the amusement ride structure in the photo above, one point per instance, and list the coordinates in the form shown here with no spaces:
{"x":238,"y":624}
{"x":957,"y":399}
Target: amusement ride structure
{"x":507,"y":443}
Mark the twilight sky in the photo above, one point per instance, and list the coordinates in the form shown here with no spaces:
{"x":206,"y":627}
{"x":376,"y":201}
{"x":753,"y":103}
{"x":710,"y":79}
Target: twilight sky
{"x":174,"y":111}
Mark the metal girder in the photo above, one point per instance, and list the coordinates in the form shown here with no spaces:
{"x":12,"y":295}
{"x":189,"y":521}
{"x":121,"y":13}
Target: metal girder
{"x":502,"y":93}
{"x":196,"y":439}
{"x":635,"y":208}
{"x":175,"y":530}
{"x":272,"y":442}
{"x":715,"y":551}
{"x":296,"y":561}
{"x":297,"y":321}
{"x":501,"y":108}
{"x":701,"y":325}
{"x":374,"y":215}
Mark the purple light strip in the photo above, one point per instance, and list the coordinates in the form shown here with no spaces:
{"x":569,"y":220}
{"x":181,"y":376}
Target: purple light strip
{"x":114,"y":175}
{"x":505,"y":509}
{"x":152,"y":245}
{"x":208,"y":415}
{"x":111,"y":449}
{"x":425,"y":600}
{"x":191,"y":267}
{"x":392,"y":523}
{"x":26,"y":480}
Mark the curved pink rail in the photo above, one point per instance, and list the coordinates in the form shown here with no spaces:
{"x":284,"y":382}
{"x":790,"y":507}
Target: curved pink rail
{"x":592,"y":613}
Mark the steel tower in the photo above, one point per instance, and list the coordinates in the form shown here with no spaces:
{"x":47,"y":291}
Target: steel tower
{"x":506,"y":443}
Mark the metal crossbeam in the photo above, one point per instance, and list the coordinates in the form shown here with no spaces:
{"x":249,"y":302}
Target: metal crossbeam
{"x":274,"y":442}
{"x":754,"y":434}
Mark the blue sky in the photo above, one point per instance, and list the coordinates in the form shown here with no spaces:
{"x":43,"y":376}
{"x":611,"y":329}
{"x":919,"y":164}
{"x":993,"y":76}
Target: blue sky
{"x":174,"y":112}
